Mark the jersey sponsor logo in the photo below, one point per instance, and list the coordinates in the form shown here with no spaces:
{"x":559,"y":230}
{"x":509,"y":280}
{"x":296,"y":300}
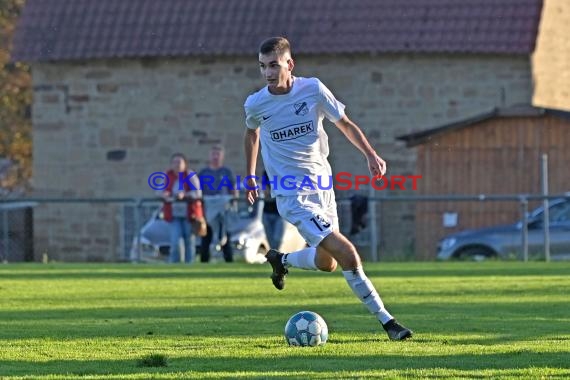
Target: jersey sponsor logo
{"x":294,"y":131}
{"x":266,"y":117}
{"x":301,"y":109}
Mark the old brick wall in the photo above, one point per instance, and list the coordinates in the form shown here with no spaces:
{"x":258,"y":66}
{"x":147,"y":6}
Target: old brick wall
{"x":83,"y":113}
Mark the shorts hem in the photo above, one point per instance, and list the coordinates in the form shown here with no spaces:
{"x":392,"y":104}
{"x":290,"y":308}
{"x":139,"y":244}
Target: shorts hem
{"x":319,"y":239}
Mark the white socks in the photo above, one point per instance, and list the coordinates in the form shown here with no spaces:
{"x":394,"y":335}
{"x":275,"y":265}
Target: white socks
{"x":304,"y":259}
{"x":365,"y":291}
{"x":357,"y":280}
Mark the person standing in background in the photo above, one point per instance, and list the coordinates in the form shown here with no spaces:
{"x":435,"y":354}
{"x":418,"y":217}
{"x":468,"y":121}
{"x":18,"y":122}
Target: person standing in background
{"x":215,"y":181}
{"x":183,"y":210}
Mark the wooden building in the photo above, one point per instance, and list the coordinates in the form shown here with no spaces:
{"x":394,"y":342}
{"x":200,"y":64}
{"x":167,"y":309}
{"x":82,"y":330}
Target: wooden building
{"x":497,"y":152}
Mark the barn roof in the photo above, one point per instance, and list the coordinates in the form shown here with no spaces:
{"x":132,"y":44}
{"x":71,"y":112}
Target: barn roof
{"x":81,"y":29}
{"x":420,"y":137}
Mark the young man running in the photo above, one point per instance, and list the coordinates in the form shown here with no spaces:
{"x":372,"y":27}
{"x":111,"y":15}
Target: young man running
{"x":286,"y":117}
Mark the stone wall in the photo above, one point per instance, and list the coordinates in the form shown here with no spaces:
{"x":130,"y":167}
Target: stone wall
{"x":100,"y":128}
{"x":551,"y":59}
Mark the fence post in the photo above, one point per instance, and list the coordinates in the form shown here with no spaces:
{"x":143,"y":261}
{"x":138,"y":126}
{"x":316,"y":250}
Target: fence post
{"x":545,"y":203}
{"x":4,"y":255}
{"x":138,"y":205}
{"x":524,"y":227}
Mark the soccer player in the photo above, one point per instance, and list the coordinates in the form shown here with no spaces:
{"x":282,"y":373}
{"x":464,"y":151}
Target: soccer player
{"x":286,"y":117}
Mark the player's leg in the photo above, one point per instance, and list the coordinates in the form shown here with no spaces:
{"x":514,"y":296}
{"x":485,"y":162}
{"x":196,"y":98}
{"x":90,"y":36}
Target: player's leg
{"x":324,"y":260}
{"x":308,"y":214}
{"x":318,"y":220}
{"x":344,"y":252}
{"x":337,"y":247}
{"x":309,"y":258}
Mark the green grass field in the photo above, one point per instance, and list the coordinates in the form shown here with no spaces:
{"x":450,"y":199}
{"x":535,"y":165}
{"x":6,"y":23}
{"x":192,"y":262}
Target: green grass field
{"x":472,"y":320}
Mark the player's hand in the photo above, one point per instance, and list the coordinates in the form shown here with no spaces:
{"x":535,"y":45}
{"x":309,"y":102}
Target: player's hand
{"x":376,"y":165}
{"x":251,"y":195}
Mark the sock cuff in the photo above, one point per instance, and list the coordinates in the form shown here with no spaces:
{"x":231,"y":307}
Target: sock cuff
{"x":354,"y":273}
{"x":303,"y":259}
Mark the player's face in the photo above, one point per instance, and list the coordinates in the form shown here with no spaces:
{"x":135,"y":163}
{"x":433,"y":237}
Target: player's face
{"x":276,"y":69}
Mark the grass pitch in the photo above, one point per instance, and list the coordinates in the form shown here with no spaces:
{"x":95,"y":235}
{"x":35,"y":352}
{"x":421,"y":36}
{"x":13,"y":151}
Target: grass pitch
{"x":472,"y":320}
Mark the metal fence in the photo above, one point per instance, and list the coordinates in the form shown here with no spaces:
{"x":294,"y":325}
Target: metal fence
{"x":417,"y":224}
{"x":80,"y":229}
{"x":108,"y":227}
{"x":393,"y":226}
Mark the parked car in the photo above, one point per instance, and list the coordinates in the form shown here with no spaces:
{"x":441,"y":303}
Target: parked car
{"x":244,"y":226}
{"x":505,"y":241}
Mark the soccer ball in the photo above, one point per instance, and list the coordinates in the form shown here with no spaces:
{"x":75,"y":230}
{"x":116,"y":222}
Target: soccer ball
{"x":306,"y":328}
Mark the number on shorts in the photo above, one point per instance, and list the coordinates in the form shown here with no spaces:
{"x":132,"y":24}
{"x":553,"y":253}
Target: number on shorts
{"x":320,"y":222}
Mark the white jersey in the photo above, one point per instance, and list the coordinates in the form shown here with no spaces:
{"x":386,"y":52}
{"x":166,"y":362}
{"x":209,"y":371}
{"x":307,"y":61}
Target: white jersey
{"x":294,"y":144}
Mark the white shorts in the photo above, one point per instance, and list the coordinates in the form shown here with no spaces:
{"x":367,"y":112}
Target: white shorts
{"x":314,"y":215}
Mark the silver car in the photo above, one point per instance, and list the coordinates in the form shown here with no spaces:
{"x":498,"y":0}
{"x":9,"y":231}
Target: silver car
{"x":244,"y":226}
{"x":505,"y":241}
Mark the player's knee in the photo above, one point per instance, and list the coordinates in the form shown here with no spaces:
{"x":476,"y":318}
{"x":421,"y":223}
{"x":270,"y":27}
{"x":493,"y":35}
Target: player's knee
{"x":351,"y":262}
{"x":350,"y":259}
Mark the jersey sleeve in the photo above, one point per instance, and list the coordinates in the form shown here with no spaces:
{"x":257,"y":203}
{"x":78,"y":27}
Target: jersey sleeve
{"x":329,"y":105}
{"x":250,"y":120}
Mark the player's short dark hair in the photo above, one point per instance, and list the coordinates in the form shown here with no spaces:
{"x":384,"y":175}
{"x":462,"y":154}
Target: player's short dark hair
{"x":279,"y":45}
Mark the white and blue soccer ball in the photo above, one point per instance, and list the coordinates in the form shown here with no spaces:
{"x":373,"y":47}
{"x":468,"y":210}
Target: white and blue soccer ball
{"x":306,"y":328}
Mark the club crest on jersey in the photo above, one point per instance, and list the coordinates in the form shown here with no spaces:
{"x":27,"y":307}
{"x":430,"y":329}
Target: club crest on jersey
{"x":301,"y":109}
{"x":292,"y":131}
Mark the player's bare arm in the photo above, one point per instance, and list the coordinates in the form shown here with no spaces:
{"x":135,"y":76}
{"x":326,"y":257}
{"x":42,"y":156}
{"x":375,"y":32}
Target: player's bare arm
{"x":376,"y":164}
{"x":251,"y":141}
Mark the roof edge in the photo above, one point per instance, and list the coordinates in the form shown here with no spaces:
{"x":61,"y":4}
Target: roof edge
{"x":518,"y":110}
